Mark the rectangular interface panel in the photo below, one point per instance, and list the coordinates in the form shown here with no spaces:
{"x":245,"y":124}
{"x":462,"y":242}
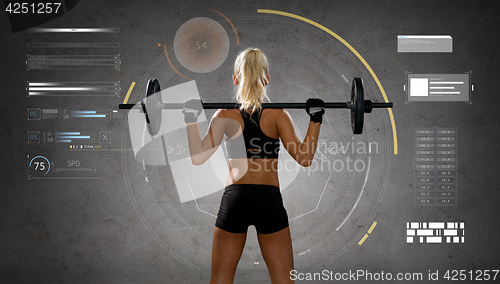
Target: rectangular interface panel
{"x":438,"y":87}
{"x":425,"y":43}
{"x":435,"y":169}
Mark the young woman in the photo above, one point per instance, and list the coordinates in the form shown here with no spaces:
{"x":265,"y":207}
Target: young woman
{"x":252,"y":195}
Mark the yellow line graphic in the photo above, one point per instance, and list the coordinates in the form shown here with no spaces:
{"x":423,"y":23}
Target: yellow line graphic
{"x":372,"y":227}
{"x":363,"y":239}
{"x":129,"y":92}
{"x":369,"y":232}
{"x":394,"y":133}
{"x":229,"y":21}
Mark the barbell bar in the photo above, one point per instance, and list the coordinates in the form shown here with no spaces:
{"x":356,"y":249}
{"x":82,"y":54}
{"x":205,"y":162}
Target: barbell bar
{"x":153,"y":106}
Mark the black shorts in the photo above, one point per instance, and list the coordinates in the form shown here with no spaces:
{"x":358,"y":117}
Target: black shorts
{"x":260,"y":205}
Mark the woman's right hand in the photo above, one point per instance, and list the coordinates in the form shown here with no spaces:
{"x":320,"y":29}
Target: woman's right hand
{"x":315,"y":108}
{"x":192,"y":109}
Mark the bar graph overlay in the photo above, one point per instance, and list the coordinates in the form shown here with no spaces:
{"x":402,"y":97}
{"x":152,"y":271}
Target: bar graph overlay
{"x":74,"y":30}
{"x":74,"y":137}
{"x":73,"y":45}
{"x":108,"y":62}
{"x":73,"y":88}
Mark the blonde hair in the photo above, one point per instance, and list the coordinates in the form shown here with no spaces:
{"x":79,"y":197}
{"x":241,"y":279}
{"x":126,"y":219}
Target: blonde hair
{"x":251,"y":69}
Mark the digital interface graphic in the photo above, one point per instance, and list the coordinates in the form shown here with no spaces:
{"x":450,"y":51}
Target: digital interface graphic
{"x":99,"y":185}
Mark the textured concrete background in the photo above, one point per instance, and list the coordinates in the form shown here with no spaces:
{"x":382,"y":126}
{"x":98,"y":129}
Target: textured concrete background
{"x":129,"y":226}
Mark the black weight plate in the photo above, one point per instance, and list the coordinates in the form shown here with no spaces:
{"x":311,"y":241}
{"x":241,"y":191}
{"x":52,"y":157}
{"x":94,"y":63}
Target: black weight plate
{"x":357,"y":105}
{"x":153,"y":107}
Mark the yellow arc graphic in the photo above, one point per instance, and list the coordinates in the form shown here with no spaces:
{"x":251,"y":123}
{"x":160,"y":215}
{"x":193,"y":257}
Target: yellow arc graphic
{"x":366,"y":235}
{"x":394,"y":133}
{"x":372,"y":227}
{"x":129,"y":92}
{"x":363,"y":239}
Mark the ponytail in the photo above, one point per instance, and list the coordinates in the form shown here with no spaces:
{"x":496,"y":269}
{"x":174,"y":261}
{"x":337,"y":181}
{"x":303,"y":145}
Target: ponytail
{"x":251,"y":69}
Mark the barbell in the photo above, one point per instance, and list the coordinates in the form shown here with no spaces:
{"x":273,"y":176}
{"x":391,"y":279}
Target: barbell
{"x":153,"y":106}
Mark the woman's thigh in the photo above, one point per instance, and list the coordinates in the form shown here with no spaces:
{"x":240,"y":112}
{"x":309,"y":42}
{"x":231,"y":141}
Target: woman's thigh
{"x":226,"y":252}
{"x":277,"y":251}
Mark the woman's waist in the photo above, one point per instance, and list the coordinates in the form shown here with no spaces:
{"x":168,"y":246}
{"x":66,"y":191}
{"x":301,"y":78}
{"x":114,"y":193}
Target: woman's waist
{"x":255,"y":164}
{"x":253,"y":171}
{"x":253,"y":187}
{"x":256,"y":147}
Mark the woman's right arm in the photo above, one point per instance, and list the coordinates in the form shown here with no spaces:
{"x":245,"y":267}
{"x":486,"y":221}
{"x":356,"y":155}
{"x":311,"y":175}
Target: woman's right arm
{"x":202,"y":149}
{"x":301,"y":151}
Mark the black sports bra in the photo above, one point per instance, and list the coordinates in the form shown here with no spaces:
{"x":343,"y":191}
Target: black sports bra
{"x":253,"y":143}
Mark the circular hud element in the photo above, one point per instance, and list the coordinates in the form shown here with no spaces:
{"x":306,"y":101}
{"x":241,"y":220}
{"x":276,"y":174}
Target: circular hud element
{"x":201,"y":45}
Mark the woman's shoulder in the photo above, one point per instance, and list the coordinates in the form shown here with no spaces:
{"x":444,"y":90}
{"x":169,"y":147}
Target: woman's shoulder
{"x":275,"y":110}
{"x":274,"y":113}
{"x":226,"y":113}
{"x":235,"y":113}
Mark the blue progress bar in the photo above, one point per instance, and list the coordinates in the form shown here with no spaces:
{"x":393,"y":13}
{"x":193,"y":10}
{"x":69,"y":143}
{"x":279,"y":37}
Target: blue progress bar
{"x":73,"y":137}
{"x":83,"y":111}
{"x":88,"y":115}
{"x":60,"y":141}
{"x":67,"y":133}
